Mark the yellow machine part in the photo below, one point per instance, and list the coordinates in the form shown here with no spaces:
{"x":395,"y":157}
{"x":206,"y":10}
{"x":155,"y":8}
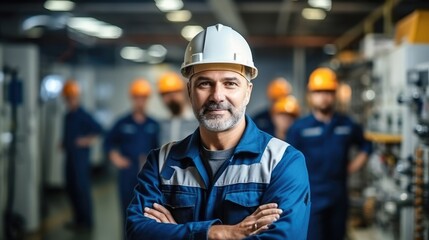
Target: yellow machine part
{"x":383,"y":137}
{"x":413,"y":28}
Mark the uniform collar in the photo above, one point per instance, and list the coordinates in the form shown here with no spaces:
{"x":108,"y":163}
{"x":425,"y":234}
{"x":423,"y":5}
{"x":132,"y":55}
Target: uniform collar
{"x":248,"y":143}
{"x":333,"y":119}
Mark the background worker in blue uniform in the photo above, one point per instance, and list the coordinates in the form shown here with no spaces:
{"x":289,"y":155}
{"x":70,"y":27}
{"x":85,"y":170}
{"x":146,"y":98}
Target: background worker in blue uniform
{"x":325,"y":137}
{"x":283,"y":114}
{"x":182,"y":121}
{"x":130,"y":140}
{"x":228,"y":180}
{"x":278,"y":88}
{"x":80,"y":131}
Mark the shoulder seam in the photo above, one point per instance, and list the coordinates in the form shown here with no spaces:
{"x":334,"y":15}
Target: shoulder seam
{"x":163,"y":154}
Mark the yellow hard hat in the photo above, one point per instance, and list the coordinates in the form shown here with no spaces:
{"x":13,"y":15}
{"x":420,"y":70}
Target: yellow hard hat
{"x":287,"y":105}
{"x":140,"y":87}
{"x":323,"y":79}
{"x":170,"y":82}
{"x":278,"y":88}
{"x":71,"y":88}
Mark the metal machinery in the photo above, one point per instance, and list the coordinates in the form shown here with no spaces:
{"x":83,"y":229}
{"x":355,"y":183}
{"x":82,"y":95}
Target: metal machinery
{"x":397,"y":191}
{"x":19,"y":152}
{"x":417,"y":166}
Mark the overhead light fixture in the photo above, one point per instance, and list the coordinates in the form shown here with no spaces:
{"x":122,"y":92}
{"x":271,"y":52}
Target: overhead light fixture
{"x":189,"y":32}
{"x":59,"y":5}
{"x":51,"y":87}
{"x":324,"y":4}
{"x":109,"y":32}
{"x":313,"y":14}
{"x":179,"y":16}
{"x":94,"y":27}
{"x":156,"y":54}
{"x":157,"y":50}
{"x":133,"y":53}
{"x":35,"y":21}
{"x":169,"y":5}
{"x":86,"y":25}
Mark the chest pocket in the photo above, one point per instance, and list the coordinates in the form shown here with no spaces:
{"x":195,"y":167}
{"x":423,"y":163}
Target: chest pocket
{"x":181,"y":206}
{"x":128,"y":133}
{"x":343,"y":134}
{"x":239,"y":205}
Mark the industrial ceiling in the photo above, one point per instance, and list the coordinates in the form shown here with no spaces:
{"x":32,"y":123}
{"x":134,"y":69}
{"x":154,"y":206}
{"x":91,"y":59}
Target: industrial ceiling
{"x":274,"y":24}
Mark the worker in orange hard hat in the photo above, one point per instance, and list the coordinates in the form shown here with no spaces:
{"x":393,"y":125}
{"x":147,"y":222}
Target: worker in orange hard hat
{"x":283,"y":114}
{"x":131,"y":138}
{"x":278,"y":88}
{"x":174,"y":96}
{"x":80,"y":131}
{"x":325,"y":137}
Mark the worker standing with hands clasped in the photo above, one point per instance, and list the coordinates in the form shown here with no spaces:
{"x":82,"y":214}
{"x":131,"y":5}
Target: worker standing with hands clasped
{"x":182,"y":121}
{"x":130,"y":140}
{"x":228,"y":180}
{"x":325,"y":137}
{"x":80,"y":131}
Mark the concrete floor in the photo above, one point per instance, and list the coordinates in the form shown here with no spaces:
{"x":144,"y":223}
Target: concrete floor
{"x":108,"y":225}
{"x":107,"y":219}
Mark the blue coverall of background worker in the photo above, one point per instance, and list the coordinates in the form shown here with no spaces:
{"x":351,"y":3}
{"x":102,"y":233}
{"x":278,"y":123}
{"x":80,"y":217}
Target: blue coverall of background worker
{"x":79,"y":131}
{"x":278,"y":88}
{"x":326,"y":146}
{"x":131,"y":138}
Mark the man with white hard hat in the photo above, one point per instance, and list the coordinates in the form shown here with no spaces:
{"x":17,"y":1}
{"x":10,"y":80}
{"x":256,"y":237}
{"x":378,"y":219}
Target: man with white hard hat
{"x":228,"y":180}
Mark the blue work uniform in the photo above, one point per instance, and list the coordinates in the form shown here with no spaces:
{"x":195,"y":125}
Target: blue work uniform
{"x":262,"y":170}
{"x":326,"y":149}
{"x":78,"y":123}
{"x":133,"y":141}
{"x":263,"y":121}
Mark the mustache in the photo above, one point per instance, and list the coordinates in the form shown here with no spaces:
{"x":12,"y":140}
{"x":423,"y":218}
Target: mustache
{"x":211,"y":106}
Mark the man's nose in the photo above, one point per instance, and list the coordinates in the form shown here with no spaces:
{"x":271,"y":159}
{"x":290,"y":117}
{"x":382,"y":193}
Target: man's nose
{"x":218,"y":93}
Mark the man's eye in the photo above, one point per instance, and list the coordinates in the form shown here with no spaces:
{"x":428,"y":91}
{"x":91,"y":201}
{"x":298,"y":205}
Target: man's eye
{"x":231,"y":84}
{"x":203,"y":84}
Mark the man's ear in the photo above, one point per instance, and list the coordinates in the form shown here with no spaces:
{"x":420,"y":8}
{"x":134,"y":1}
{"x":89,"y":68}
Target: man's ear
{"x":248,"y":93}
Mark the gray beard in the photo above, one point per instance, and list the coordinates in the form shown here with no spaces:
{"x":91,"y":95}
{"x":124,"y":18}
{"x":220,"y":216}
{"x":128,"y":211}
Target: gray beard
{"x":213,"y":122}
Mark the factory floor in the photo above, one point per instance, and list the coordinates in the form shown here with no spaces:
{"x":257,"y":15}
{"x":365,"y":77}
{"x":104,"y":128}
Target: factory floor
{"x":106,"y":210}
{"x":108,"y":225}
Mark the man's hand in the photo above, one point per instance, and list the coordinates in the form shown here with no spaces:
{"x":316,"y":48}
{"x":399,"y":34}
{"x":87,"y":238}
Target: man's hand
{"x":358,"y":162}
{"x":85,"y":141}
{"x":159,"y":214}
{"x":255,"y":223}
{"x":118,"y":160}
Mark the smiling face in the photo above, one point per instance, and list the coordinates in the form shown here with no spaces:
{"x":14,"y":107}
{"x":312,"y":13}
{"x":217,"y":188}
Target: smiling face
{"x":219,"y":98}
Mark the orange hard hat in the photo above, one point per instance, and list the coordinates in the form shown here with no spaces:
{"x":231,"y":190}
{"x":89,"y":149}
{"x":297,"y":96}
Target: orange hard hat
{"x":323,"y":79}
{"x":287,"y":105}
{"x":71,"y":89}
{"x":170,"y":82}
{"x":278,"y":88}
{"x":140,"y":87}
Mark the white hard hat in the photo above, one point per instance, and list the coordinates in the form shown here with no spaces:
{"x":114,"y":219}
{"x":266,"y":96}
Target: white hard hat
{"x":218,"y":44}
